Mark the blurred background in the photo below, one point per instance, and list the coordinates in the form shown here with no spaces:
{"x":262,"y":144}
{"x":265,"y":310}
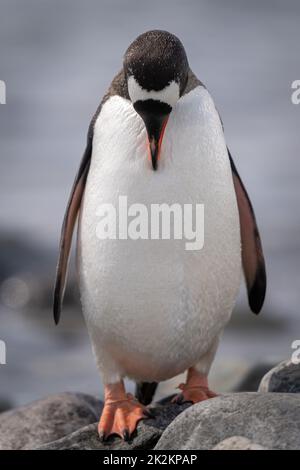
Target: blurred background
{"x":57,"y":59}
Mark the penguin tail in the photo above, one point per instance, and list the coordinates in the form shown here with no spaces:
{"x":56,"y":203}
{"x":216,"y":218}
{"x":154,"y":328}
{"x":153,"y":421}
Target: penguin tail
{"x":144,"y":392}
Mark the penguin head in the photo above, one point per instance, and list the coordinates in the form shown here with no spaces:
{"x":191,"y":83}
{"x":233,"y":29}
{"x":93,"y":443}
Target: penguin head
{"x":156,"y":69}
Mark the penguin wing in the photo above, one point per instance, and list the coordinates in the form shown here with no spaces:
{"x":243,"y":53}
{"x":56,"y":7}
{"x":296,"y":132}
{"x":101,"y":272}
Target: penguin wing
{"x":252,"y":252}
{"x":68,"y":226}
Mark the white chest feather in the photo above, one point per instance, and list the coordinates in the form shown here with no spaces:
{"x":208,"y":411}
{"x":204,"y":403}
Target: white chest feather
{"x":152,"y":299}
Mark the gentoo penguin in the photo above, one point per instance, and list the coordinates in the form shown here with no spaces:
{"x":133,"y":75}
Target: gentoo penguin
{"x":154,"y":309}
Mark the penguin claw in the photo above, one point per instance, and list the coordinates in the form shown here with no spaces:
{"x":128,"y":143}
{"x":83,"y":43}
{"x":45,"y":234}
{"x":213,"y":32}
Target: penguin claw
{"x":148,"y":413}
{"x":178,"y":399}
{"x":126,"y":435}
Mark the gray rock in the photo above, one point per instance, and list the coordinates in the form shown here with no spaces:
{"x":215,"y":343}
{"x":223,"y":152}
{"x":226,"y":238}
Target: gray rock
{"x":238,"y":443}
{"x":47,"y":420}
{"x":283,"y":378}
{"x":251,"y":380}
{"x":147,"y":435}
{"x":270,"y":419}
{"x":69,"y":421}
{"x":86,"y":438}
{"x":5,"y":404}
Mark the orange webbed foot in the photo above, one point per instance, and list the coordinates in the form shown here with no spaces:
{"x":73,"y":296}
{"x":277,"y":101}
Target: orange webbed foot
{"x":120,"y":415}
{"x":194,"y":390}
{"x":193,"y":394}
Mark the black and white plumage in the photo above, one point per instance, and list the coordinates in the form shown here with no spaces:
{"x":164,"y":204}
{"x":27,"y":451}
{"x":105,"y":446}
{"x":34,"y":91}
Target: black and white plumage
{"x":153,"y":309}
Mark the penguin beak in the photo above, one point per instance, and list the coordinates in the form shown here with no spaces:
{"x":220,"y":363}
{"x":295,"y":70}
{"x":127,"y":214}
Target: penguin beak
{"x":155,"y":115}
{"x":155,"y":137}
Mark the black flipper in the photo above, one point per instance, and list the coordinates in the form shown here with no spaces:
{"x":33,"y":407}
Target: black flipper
{"x":252,"y":252}
{"x":68,"y":226}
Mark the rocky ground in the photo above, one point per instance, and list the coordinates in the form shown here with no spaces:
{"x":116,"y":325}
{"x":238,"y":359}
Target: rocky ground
{"x":266,"y":419}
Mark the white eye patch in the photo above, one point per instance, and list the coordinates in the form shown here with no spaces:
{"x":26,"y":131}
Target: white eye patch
{"x":169,"y":94}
